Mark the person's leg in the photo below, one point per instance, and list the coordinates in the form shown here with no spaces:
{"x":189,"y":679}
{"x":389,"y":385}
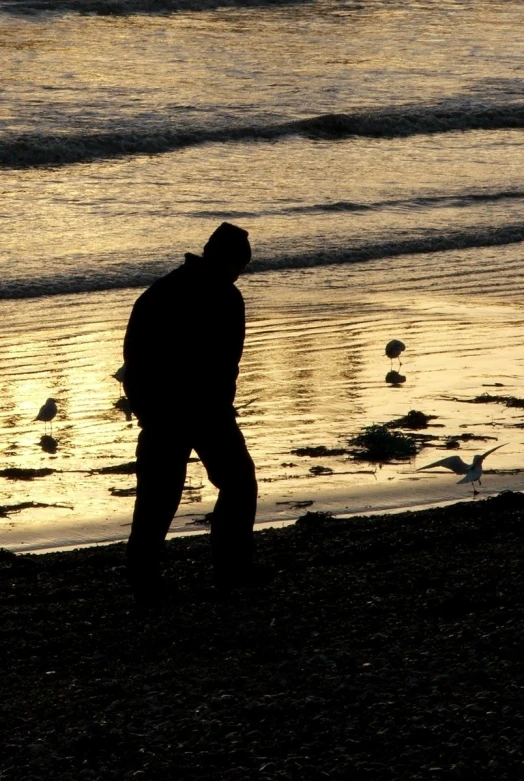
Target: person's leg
{"x":221,"y":446}
{"x":161,"y":458}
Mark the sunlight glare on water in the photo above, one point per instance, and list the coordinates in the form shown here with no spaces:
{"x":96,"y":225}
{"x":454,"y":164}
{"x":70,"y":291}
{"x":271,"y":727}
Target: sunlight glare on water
{"x":150,"y":209}
{"x":348,"y":55}
{"x":372,"y":150}
{"x":312,"y":374}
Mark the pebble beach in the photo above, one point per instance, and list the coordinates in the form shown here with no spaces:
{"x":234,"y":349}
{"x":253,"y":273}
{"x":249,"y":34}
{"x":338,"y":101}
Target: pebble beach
{"x":384,"y":648}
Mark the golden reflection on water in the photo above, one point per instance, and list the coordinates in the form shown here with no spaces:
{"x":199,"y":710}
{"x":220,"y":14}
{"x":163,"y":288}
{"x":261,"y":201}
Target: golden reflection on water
{"x":314,"y":369}
{"x":157,"y":207}
{"x":312,"y":374}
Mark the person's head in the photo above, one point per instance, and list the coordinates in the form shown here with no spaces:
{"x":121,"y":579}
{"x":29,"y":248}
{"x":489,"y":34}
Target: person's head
{"x":228,"y":249}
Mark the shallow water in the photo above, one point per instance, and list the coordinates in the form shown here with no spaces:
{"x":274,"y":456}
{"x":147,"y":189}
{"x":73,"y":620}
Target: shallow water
{"x":313,"y":373}
{"x":374,"y":153}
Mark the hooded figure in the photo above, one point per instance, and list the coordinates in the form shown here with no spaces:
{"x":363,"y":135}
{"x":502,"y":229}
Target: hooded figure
{"x":182,"y":350}
{"x":186,"y":333}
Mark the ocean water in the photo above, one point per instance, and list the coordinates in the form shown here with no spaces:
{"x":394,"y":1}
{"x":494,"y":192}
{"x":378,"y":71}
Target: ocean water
{"x":374,"y":152}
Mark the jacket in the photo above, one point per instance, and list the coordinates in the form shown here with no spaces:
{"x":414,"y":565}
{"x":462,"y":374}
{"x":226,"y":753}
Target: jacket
{"x":183,"y":344}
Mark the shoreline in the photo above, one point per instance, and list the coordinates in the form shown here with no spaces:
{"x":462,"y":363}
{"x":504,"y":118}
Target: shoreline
{"x":311,"y":379}
{"x":385,"y":651}
{"x":259,"y":526}
{"x":432,"y":490}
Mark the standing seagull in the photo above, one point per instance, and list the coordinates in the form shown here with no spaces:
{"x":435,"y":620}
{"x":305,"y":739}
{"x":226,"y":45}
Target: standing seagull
{"x":119,"y":376}
{"x":47,"y":413}
{"x":472,"y":472}
{"x":393,"y":350}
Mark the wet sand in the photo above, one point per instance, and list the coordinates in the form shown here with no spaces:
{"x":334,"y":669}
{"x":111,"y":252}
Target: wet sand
{"x":312,"y":375}
{"x":385,"y":649}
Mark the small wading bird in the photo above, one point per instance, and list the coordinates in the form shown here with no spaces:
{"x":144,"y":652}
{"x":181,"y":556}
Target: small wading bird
{"x":47,"y":413}
{"x":119,"y":376}
{"x":393,"y":350}
{"x":472,"y":472}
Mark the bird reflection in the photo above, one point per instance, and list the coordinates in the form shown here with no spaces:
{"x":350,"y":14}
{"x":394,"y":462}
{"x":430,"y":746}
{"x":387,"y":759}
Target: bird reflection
{"x":394,"y":378}
{"x":123,"y":404}
{"x":48,"y":444}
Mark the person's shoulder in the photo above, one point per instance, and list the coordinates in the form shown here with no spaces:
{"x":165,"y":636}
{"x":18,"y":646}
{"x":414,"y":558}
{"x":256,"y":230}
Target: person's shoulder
{"x":168,"y":281}
{"x":161,"y":285}
{"x":149,"y":301}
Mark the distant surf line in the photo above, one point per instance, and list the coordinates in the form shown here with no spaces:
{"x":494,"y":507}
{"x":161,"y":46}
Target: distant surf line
{"x":30,"y":150}
{"x":455,"y":200}
{"x":135,"y":274}
{"x":132,"y":7}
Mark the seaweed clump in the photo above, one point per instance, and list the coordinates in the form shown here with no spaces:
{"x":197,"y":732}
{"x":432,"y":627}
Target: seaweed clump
{"x":17,"y":473}
{"x":317,"y":451}
{"x":7,"y":509}
{"x":128,"y":468}
{"x":413,"y":420}
{"x":378,"y":443}
{"x":487,"y":398}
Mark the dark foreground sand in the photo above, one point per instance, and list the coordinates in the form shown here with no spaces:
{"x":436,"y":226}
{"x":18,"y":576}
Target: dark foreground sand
{"x":386,"y":648}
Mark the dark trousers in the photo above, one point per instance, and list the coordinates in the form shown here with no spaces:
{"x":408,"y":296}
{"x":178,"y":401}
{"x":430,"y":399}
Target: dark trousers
{"x":162,"y":454}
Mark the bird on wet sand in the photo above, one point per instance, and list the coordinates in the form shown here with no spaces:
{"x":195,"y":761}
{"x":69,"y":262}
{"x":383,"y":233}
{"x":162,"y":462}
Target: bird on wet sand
{"x":47,"y":412}
{"x":119,"y":375}
{"x":393,"y":350}
{"x":472,"y":472}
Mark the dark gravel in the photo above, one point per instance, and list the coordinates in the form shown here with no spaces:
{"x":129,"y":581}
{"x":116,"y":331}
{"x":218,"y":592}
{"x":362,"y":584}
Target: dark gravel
{"x":386,"y":648}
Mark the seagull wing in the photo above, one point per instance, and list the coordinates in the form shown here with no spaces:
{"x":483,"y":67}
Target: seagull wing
{"x":475,"y":471}
{"x":454,"y":463}
{"x":492,"y":451}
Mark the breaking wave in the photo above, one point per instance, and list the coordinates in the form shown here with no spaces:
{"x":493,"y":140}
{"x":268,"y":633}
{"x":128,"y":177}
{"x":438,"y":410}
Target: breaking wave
{"x":136,"y":274}
{"x":460,"y":200}
{"x":33,"y":149}
{"x":129,"y":7}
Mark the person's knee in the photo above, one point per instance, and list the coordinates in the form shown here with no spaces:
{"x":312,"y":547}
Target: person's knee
{"x":247,"y":472}
{"x":240,"y":478}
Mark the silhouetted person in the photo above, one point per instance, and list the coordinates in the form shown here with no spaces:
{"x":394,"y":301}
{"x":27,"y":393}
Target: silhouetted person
{"x":182,"y":349}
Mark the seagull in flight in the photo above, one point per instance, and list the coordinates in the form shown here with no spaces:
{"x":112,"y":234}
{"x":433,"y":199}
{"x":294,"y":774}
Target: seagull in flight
{"x":393,"y":350}
{"x":47,"y":412}
{"x":472,"y":472}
